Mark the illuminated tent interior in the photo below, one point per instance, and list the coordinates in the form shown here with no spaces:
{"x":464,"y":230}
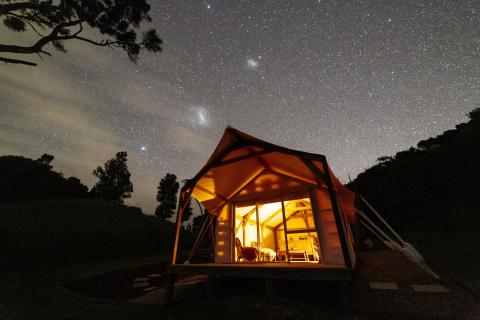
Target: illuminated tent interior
{"x":270,"y":204}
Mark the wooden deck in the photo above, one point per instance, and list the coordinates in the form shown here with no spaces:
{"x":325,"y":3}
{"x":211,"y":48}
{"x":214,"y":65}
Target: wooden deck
{"x":294,"y":270}
{"x":266,"y":271}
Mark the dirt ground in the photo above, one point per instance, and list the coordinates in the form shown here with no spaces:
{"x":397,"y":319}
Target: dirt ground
{"x":377,"y":266}
{"x":387,"y":266}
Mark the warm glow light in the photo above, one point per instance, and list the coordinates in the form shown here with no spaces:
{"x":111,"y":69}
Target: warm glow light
{"x":221,"y":243}
{"x":270,"y":229}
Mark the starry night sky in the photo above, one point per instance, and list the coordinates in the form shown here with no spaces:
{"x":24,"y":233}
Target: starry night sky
{"x":353,"y":80}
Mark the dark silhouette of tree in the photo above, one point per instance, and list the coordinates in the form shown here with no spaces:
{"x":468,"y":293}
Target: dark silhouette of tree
{"x":23,"y":179}
{"x":114,"y":179}
{"x":432,"y":182}
{"x":167,"y":196}
{"x":46,"y":159}
{"x":187,"y":213}
{"x":115,"y":23}
{"x":474,"y":114}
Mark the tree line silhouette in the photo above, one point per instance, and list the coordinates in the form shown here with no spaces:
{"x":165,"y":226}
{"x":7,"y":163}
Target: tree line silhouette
{"x":437,"y":181}
{"x":24,"y":179}
{"x":434,"y":180}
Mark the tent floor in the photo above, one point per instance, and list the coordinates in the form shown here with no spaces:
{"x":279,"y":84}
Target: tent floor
{"x":267,"y":271}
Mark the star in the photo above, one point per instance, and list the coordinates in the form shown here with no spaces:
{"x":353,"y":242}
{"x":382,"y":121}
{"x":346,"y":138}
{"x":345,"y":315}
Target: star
{"x":309,"y":78}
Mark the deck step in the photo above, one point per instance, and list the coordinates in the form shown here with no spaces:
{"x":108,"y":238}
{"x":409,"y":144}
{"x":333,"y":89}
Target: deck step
{"x":140,"y":279}
{"x":435,"y":288}
{"x":149,"y":289}
{"x":383,"y":286}
{"x":141,"y":284}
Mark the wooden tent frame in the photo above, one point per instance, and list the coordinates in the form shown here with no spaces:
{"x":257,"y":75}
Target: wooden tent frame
{"x":245,"y":142}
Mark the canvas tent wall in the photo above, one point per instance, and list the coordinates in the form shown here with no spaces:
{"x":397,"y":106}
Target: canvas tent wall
{"x":243,"y":168}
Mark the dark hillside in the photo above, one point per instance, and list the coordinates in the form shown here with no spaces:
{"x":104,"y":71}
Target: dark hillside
{"x":436,"y":182}
{"x":57,"y":232}
{"x":24,"y":179}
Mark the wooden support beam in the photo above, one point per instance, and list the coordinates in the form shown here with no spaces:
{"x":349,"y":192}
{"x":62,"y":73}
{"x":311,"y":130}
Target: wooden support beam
{"x":287,"y":176}
{"x":339,"y":221}
{"x":317,"y":220}
{"x":287,"y":253}
{"x":184,"y":196}
{"x":245,"y":183}
{"x":250,"y":155}
{"x":210,"y":192}
{"x":316,"y":171}
{"x":269,"y":146}
{"x":239,"y":189}
{"x":191,"y":182}
{"x":259,"y":239}
{"x":307,"y":230}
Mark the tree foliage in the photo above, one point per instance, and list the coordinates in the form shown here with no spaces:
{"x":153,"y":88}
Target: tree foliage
{"x":23,"y":179}
{"x":167,"y":196}
{"x":117,"y":22}
{"x":188,"y":211}
{"x":440,"y":175}
{"x":114,"y":179}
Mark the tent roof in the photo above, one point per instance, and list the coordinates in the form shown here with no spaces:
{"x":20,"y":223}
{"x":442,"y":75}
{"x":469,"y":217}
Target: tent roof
{"x":242,"y":162}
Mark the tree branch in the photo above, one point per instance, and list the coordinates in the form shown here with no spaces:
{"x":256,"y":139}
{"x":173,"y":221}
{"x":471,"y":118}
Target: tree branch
{"x":8,"y":60}
{"x":37,"y":47}
{"x":27,"y":21}
{"x":103,"y":43}
{"x":6,"y":8}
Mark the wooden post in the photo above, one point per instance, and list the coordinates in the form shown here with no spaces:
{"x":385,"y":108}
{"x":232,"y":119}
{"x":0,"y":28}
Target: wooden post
{"x":317,"y":220}
{"x":287,"y":253}
{"x":258,"y":232}
{"x":184,"y":196}
{"x":168,"y":299}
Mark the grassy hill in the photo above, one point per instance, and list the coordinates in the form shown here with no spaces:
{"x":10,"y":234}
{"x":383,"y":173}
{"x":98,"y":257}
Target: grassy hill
{"x":436,"y":182}
{"x":70,"y":231}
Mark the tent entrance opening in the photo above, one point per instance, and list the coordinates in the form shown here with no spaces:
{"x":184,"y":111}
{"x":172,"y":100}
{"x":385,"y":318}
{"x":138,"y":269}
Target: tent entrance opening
{"x":282,"y":231}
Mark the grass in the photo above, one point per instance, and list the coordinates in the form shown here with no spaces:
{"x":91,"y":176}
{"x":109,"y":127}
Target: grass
{"x":45,"y":243}
{"x":56,"y":232}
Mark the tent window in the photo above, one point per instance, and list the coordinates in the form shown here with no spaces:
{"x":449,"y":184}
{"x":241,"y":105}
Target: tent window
{"x":260,"y":234}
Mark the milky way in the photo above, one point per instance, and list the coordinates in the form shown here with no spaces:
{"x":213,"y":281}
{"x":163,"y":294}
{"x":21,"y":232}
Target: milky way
{"x":354,"y":80}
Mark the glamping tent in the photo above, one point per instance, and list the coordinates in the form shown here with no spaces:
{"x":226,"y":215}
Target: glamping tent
{"x":275,"y":213}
